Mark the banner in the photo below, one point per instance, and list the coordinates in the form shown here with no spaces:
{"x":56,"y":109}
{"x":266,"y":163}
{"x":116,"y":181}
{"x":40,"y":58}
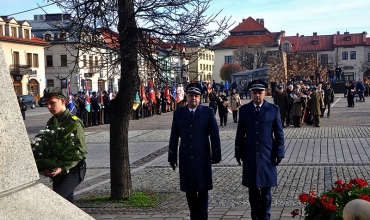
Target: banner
{"x":87,"y":97}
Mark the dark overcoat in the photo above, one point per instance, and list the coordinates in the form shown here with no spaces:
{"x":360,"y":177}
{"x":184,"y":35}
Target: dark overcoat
{"x":281,"y":100}
{"x":200,"y":143}
{"x":259,"y":139}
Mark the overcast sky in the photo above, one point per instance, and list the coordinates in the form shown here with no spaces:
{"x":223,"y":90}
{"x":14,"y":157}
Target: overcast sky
{"x":292,"y":16}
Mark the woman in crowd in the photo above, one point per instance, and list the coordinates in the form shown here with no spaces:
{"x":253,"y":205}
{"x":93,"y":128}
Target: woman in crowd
{"x":235,"y":103}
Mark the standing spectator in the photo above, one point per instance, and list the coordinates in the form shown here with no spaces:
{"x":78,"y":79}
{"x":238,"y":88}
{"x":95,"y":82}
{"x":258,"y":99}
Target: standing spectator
{"x":235,"y":103}
{"x":346,"y":86}
{"x":338,"y":73}
{"x":360,"y":87}
{"x":297,"y":106}
{"x":227,"y":88}
{"x":317,"y":73}
{"x":321,"y":91}
{"x":259,"y":143}
{"x":273,"y":85}
{"x":330,"y":74}
{"x":205,"y":93}
{"x":82,"y":105}
{"x":221,"y":88}
{"x":222,"y":105}
{"x":241,"y":89}
{"x":106,"y":107}
{"x":95,"y":109}
{"x":247,"y":89}
{"x":214,"y":85}
{"x":197,"y":127}
{"x":316,"y":105}
{"x":328,"y":98}
{"x":65,"y":179}
{"x":22,"y":107}
{"x":213,"y":101}
{"x":282,"y":84}
{"x":312,"y":75}
{"x":351,"y":94}
{"x":281,"y":100}
{"x":289,"y":91}
{"x":77,"y":105}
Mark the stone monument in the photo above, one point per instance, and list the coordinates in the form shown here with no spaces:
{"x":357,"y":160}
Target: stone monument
{"x":21,"y":196}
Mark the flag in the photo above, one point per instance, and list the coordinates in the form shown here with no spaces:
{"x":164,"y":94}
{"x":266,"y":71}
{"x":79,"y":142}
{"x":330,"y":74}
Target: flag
{"x":142,"y":94}
{"x":174,"y":94}
{"x":87,"y":97}
{"x":167,"y":94}
{"x":151,"y":92}
{"x":101,"y":98}
{"x":180,"y":94}
{"x":71,"y":104}
{"x":136,"y":101}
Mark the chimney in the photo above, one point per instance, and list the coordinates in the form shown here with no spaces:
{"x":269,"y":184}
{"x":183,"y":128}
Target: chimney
{"x":338,"y":32}
{"x":315,"y":34}
{"x":258,"y":21}
{"x":262,"y":22}
{"x":243,"y":19}
{"x":346,"y":32}
{"x":297,"y":35}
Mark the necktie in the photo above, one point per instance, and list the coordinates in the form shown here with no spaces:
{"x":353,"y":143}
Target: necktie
{"x":257,"y":109}
{"x":191,"y":113}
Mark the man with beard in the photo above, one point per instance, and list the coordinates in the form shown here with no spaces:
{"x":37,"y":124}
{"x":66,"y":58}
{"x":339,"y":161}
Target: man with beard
{"x":199,"y":148}
{"x":259,"y":143}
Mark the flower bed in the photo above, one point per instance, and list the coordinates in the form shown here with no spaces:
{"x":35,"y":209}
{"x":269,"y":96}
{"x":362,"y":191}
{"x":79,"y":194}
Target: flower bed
{"x":329,"y":205}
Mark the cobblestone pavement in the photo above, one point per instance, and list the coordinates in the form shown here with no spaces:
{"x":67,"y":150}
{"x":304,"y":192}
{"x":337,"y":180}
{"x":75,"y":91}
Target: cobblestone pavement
{"x":315,"y":158}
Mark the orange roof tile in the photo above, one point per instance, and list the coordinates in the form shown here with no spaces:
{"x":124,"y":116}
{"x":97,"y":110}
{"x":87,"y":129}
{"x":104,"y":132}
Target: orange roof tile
{"x":33,"y":40}
{"x":305,"y":43}
{"x":248,"y":24}
{"x":239,"y":41}
{"x":355,"y":39}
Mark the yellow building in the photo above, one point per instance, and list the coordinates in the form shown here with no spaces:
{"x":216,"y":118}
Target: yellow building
{"x":200,"y":64}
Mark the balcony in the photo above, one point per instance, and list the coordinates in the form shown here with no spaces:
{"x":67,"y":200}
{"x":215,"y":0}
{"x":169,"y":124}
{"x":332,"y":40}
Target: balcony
{"x":19,"y":69}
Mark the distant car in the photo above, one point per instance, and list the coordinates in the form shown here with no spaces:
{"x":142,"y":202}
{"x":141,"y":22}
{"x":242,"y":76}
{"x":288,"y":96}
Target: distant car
{"x":29,"y":101}
{"x":41,"y":102}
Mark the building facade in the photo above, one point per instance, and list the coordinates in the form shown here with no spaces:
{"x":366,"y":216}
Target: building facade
{"x":201,"y":63}
{"x":24,"y":54}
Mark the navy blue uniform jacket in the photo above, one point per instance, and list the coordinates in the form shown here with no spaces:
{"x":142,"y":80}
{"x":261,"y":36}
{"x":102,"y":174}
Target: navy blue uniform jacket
{"x":258,"y":141}
{"x":200,"y":143}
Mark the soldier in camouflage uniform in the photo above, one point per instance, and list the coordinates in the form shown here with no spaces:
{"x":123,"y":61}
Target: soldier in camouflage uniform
{"x":65,"y":179}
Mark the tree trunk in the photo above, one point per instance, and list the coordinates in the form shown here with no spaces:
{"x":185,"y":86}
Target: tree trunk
{"x":121,"y":186}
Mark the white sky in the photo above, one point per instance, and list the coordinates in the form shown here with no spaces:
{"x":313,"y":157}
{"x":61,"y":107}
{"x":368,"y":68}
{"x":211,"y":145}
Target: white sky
{"x":292,"y":16}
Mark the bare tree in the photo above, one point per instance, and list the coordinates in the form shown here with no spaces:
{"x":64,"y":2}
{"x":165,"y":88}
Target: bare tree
{"x":251,"y":56}
{"x":142,"y":26}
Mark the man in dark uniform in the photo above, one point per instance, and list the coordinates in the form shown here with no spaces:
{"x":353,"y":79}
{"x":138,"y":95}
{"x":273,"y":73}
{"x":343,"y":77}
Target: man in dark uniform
{"x":259,"y":143}
{"x":197,"y":127}
{"x":95,"y":109}
{"x":328,"y":98}
{"x":281,"y":100}
{"x":65,"y":179}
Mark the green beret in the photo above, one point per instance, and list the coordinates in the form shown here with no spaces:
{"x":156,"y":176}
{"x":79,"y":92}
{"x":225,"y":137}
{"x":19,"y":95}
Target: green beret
{"x":48,"y":92}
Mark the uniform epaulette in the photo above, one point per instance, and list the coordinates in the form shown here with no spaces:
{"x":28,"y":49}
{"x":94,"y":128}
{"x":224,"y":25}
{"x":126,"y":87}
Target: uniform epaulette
{"x":74,"y":117}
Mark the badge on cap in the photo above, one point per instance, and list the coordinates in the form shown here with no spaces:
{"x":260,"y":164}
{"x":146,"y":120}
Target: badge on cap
{"x":258,"y":85}
{"x":194,"y":88}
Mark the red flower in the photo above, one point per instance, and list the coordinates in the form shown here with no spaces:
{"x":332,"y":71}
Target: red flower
{"x":338,"y":182}
{"x":303,"y":197}
{"x":312,"y":200}
{"x":364,"y":197}
{"x":295,"y":212}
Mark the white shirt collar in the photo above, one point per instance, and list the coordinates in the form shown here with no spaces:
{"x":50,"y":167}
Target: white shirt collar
{"x":194,"y":109}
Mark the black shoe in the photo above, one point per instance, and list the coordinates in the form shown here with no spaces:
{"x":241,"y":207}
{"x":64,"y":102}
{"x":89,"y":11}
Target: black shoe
{"x":220,"y":124}
{"x":317,"y":126}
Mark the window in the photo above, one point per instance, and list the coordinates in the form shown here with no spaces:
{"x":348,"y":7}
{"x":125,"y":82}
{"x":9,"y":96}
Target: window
{"x":47,"y":37}
{"x":14,"y":32}
{"x":29,"y":59}
{"x":353,"y":55}
{"x":200,"y":66}
{"x":345,"y":55}
{"x":16,"y":58}
{"x":228,"y":59}
{"x":286,"y":47}
{"x":35,"y":60}
{"x":62,"y":36}
{"x":324,"y":58}
{"x":96,"y":62}
{"x":84,"y":60}
{"x":49,"y":83}
{"x":348,"y":38}
{"x":27,"y":34}
{"x":49,"y":60}
{"x":91,"y":64}
{"x":63,"y":60}
{"x":315,"y":42}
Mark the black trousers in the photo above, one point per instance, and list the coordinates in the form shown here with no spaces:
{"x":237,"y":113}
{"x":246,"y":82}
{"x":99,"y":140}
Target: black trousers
{"x":223,"y":116}
{"x":235,"y":115}
{"x":66,"y":185}
{"x":198,"y":204}
{"x":260,"y":201}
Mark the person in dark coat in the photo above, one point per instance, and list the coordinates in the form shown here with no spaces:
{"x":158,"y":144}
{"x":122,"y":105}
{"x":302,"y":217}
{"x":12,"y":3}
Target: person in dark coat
{"x":281,"y":100}
{"x":213,"y":101}
{"x":95,"y":108}
{"x":273,"y":85}
{"x":259,"y":143}
{"x":199,"y":148}
{"x":22,"y":107}
{"x":328,"y":98}
{"x":222,"y":104}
